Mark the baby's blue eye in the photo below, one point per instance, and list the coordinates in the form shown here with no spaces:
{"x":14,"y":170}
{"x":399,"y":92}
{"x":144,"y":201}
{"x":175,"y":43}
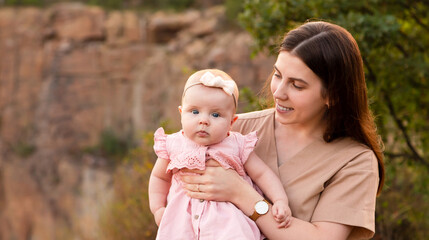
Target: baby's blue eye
{"x":195,"y":112}
{"x":215,"y":115}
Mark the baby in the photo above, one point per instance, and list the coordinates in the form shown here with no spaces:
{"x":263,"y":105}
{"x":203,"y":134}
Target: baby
{"x":209,"y":103}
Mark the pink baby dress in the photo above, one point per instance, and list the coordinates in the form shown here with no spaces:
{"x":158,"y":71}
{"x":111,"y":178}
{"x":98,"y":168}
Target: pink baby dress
{"x":188,"y":218}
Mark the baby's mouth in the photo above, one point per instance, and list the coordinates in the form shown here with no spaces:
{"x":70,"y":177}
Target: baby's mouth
{"x":202,"y":133}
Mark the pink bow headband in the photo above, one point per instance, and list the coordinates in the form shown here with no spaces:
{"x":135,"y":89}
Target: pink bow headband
{"x":210,"y":80}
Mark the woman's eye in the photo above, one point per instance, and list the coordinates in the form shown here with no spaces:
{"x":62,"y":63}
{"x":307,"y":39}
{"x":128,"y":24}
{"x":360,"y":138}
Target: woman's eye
{"x":215,"y":115}
{"x":277,"y":75}
{"x":297,"y":86}
{"x":195,"y":112}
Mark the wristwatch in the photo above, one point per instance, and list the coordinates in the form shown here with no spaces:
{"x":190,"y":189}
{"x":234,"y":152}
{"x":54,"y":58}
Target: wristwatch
{"x":261,"y":208}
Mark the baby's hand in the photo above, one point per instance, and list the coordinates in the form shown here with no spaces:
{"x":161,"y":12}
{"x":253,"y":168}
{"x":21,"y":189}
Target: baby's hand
{"x":282,"y":213}
{"x":158,"y":215}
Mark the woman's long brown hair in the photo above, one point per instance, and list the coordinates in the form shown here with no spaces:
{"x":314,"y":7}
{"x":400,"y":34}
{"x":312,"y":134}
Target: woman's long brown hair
{"x":333,"y":55}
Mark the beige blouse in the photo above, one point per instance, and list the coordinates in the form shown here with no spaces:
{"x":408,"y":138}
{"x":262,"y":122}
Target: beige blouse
{"x":330,"y":182}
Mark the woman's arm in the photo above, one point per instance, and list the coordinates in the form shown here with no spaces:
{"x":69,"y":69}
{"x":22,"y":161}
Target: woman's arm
{"x":220,"y":184}
{"x":298,"y":230}
{"x":159,"y":185}
{"x":271,"y":186}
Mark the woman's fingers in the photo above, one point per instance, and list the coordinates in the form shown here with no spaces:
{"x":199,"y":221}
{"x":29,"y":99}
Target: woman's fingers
{"x":199,"y":191}
{"x":212,"y":163}
{"x":205,"y":177}
{"x":209,"y":163}
{"x":193,"y":179}
{"x":215,"y":183}
{"x":186,"y":170}
{"x":193,"y":187}
{"x":198,"y":195}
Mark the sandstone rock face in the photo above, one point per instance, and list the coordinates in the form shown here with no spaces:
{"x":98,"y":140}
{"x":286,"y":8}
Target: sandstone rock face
{"x":71,"y":71}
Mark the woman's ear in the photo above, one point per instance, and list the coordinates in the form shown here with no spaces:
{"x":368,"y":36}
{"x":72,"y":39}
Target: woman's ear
{"x":328,"y":105}
{"x":180,"y":109}
{"x":325,"y":97}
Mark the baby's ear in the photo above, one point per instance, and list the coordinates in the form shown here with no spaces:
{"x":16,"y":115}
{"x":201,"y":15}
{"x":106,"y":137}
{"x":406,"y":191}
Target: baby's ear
{"x":180,"y":109}
{"x":234,"y":119}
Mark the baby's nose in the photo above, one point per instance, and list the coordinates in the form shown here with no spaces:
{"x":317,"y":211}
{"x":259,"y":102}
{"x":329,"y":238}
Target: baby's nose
{"x":204,"y":120}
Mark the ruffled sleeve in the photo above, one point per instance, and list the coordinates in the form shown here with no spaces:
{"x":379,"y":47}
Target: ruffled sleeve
{"x":249,"y":144}
{"x":160,"y":146}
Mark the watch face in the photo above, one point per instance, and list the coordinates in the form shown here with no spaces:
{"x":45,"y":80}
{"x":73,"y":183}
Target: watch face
{"x":261,"y":207}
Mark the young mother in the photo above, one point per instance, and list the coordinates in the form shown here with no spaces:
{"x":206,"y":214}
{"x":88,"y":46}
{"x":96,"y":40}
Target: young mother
{"x":320,"y":138}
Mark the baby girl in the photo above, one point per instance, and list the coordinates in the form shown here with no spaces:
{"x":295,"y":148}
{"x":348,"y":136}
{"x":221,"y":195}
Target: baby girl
{"x":209,"y":103}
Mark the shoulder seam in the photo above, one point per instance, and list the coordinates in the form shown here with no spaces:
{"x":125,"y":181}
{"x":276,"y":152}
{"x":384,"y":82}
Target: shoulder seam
{"x":255,"y":114}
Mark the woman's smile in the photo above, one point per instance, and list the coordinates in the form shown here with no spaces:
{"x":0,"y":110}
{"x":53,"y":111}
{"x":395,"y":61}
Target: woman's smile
{"x":283,"y":109}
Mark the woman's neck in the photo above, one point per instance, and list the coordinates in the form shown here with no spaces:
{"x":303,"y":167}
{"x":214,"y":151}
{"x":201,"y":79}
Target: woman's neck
{"x":300,"y":132}
{"x":292,"y":139}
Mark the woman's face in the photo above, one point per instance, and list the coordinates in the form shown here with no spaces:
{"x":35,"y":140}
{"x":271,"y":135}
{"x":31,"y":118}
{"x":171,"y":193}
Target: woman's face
{"x":297,"y":92}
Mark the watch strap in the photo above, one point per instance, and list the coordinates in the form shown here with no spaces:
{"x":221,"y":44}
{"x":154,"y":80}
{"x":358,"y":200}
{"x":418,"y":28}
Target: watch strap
{"x":255,"y":214}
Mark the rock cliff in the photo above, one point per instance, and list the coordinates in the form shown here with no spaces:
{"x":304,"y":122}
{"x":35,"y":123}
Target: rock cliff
{"x":69,"y":72}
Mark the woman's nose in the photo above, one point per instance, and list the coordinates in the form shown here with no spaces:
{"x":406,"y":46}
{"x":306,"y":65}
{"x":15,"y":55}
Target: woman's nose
{"x":280,"y":92}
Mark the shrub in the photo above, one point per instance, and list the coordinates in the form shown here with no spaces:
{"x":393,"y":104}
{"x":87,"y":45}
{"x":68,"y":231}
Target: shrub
{"x":112,"y":147}
{"x":24,"y":149}
{"x":128,"y":216}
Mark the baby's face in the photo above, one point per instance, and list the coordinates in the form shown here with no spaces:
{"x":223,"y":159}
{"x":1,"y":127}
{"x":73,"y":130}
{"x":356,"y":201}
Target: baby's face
{"x":207,"y":114}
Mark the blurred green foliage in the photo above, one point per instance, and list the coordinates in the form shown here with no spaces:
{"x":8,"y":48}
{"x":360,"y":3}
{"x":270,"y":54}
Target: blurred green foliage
{"x":249,"y":101}
{"x":232,"y":9}
{"x":128,"y":216}
{"x":393,"y":36}
{"x":111,"y":4}
{"x":23,"y":149}
{"x":24,"y":2}
{"x":112,"y":147}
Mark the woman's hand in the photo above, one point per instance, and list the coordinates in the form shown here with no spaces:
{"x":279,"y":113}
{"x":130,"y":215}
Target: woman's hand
{"x":215,"y":183}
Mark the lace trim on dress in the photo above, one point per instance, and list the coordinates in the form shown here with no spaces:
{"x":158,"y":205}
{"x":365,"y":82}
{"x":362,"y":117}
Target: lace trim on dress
{"x":192,"y":160}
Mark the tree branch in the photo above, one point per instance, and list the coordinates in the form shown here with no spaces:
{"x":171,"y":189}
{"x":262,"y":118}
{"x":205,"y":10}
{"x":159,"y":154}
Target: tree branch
{"x":400,"y":155}
{"x":402,"y":128}
{"x":411,"y":40}
{"x":371,"y":76}
{"x":417,"y":19}
{"x":415,"y":155}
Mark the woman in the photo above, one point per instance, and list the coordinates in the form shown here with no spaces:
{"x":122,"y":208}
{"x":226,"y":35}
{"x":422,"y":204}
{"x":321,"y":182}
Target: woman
{"x":320,"y":138}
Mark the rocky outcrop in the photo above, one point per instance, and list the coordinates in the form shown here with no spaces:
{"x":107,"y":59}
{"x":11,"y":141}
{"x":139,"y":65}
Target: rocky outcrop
{"x":71,"y":71}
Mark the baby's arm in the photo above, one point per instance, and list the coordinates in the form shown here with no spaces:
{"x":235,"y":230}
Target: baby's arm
{"x":272,"y":187}
{"x":159,"y":185}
